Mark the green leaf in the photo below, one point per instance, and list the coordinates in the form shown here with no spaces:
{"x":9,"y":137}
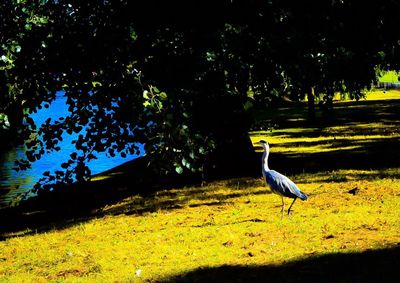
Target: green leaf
{"x":179,"y":169}
{"x":250,"y":93}
{"x":96,"y":84}
{"x":211,"y":56}
{"x":248,"y":105}
{"x":133,"y":35}
{"x":163,"y":96}
{"x":186,"y":163}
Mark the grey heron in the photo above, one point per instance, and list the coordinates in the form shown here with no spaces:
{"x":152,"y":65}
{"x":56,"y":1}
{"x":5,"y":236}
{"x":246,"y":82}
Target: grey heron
{"x":278,"y":183}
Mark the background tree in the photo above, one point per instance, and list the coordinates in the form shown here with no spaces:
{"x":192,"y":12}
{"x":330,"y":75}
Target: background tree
{"x":330,"y":46}
{"x":21,"y":89}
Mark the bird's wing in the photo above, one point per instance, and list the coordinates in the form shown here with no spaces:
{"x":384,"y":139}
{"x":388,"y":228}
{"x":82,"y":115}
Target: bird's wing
{"x":282,"y":185}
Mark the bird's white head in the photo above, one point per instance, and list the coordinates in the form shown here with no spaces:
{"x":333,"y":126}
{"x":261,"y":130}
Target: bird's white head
{"x":264,"y":144}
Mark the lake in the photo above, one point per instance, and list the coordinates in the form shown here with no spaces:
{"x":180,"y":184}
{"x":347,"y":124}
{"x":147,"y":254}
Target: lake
{"x":12,"y":183}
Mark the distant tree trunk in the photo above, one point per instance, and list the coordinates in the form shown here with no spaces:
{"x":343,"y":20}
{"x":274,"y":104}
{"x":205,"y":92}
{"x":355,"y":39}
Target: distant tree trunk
{"x":311,"y":103}
{"x":329,"y":100}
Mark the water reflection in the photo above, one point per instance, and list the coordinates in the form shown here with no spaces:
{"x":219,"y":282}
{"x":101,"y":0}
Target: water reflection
{"x":12,"y":182}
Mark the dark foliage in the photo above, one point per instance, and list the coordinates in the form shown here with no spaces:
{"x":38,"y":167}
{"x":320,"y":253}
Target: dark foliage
{"x":179,"y":77}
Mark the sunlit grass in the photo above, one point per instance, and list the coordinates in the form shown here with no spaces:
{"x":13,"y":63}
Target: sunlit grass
{"x":228,"y":222}
{"x":383,"y":94}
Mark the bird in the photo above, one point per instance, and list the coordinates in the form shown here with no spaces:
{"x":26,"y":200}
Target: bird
{"x":279,"y":183}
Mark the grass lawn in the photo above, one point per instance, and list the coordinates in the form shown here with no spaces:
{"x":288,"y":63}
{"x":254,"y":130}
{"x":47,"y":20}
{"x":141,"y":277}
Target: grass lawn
{"x":231,"y":230}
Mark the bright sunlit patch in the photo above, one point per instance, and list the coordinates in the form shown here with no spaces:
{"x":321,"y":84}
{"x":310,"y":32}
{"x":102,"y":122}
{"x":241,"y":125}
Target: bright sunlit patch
{"x":383,"y":94}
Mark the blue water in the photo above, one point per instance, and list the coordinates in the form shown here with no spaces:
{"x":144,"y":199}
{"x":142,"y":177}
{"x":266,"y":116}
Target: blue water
{"x":12,"y":183}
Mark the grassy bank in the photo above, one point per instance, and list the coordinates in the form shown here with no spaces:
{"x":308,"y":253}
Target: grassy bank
{"x":231,"y":230}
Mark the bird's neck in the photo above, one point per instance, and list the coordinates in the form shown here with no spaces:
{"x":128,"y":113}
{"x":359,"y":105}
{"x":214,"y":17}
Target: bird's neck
{"x":264,"y":160}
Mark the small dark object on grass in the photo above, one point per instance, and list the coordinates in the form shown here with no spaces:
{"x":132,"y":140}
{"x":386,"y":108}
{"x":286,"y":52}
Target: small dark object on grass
{"x":354,"y":191}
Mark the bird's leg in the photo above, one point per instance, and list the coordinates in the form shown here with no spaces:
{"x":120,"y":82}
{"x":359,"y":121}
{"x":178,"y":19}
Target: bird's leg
{"x":283,"y":207}
{"x":288,"y":212}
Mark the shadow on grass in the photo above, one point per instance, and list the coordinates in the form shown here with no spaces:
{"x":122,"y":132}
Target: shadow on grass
{"x":377,"y":155}
{"x":70,"y":205}
{"x":377,"y":145}
{"x":188,"y":197}
{"x":370,"y":266}
{"x":123,"y":193}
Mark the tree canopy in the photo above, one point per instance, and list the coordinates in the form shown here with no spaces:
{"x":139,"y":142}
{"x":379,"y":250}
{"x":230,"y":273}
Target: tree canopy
{"x":179,"y":77}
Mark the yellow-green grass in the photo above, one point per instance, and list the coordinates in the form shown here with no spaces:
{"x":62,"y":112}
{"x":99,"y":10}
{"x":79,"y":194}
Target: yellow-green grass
{"x":389,"y":76}
{"x":235,"y":222}
{"x":383,"y":94}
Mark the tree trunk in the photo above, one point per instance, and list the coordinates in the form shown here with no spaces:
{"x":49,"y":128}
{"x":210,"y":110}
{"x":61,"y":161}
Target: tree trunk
{"x":225,"y":120}
{"x":311,"y":104}
{"x":235,"y":157}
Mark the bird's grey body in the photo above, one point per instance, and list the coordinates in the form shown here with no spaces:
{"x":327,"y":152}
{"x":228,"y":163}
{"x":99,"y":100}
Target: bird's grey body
{"x":278,"y":183}
{"x":282,"y":185}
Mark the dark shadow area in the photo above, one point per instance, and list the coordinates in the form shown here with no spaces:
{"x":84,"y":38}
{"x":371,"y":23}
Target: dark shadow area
{"x":141,"y":189}
{"x":370,"y":266}
{"x":69,"y":205}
